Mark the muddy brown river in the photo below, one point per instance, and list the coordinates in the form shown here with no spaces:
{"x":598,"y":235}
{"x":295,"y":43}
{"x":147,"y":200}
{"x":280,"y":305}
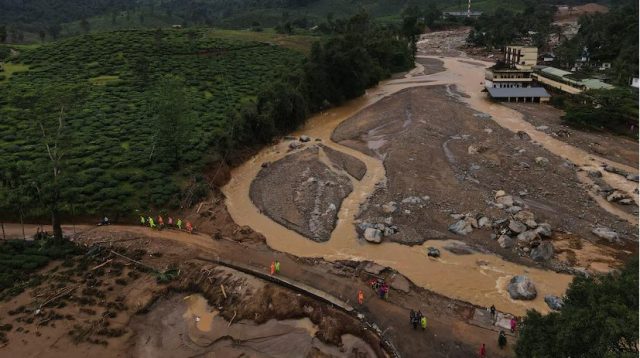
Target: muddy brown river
{"x":477,"y":278}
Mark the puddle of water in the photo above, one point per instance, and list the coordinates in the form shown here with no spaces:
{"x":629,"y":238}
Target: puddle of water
{"x":455,"y":276}
{"x":199,"y":310}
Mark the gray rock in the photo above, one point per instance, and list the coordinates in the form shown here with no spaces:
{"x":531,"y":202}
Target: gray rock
{"x":493,"y":236}
{"x":626,"y":201}
{"x":517,"y":227}
{"x":532,"y":224}
{"x":522,"y":288}
{"x":594,"y":173}
{"x":364,"y":226}
{"x":459,"y":248}
{"x":500,"y":193}
{"x":514,"y":209}
{"x":632,"y":177}
{"x":542,"y":252}
{"x":373,"y":235}
{"x":542,"y":128}
{"x":412,"y":200}
{"x":506,"y":200}
{"x":389,"y":207}
{"x":544,"y":229}
{"x":388,"y":231}
{"x":524,"y":215}
{"x":484,"y":222}
{"x":472,"y":221}
{"x":542,"y":161}
{"x":294,"y":144}
{"x":554,"y":302}
{"x":304,"y":138}
{"x":606,"y":233}
{"x":461,"y":227}
{"x":433,"y":252}
{"x":525,"y":238}
{"x":616,"y":196}
{"x":523,"y":135}
{"x":400,"y":283}
{"x":505,"y":242}
{"x":374,"y":268}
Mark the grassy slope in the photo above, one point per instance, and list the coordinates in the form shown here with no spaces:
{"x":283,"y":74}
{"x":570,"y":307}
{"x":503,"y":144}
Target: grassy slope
{"x":110,"y":146}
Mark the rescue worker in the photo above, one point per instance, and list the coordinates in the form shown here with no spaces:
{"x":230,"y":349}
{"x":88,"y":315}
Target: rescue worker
{"x":277,"y":266}
{"x":179,"y":224}
{"x":170,"y":222}
{"x":189,"y":227}
{"x":513,"y":323}
{"x":273,"y":267}
{"x":143,"y":221}
{"x":152,"y":224}
{"x":160,"y":222}
{"x":360,"y":297}
{"x":493,"y":311}
{"x":502,"y":339}
{"x":483,"y":351}
{"x":423,"y":322}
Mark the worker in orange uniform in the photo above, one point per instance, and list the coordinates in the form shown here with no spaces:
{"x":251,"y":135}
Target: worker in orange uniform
{"x":160,"y":222}
{"x":360,"y":297}
{"x":189,"y":227}
{"x":273,"y":267}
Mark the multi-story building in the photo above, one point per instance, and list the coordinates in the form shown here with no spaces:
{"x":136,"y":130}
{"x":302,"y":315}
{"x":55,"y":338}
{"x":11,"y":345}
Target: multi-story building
{"x":521,"y":57}
{"x":511,"y":79}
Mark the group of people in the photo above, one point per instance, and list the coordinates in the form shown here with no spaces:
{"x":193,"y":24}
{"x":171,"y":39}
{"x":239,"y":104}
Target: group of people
{"x":380,"y":287}
{"x":275,"y":267}
{"x":417,"y":318}
{"x":151,"y":222}
{"x":502,"y":336}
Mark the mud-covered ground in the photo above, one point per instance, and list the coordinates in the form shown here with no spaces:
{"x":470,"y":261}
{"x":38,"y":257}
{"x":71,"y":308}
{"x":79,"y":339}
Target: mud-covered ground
{"x":443,"y":159}
{"x":610,"y":146}
{"x":304,"y":190}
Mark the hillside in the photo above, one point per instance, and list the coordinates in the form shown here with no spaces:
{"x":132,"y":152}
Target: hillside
{"x":113,"y":127}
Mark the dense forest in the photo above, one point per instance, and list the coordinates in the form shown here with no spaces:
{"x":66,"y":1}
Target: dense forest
{"x":96,"y":124}
{"x":599,"y":318}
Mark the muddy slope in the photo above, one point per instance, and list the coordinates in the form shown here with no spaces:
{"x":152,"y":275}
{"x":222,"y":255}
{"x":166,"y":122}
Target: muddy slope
{"x":303,"y":192}
{"x":434,"y":146}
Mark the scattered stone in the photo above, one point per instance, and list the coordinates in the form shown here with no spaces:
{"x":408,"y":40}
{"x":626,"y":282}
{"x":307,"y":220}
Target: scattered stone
{"x":433,"y":252}
{"x":506,"y":200}
{"x":459,"y":248}
{"x":488,"y":130}
{"x":524,"y":215}
{"x":594,"y":173}
{"x":505,"y":242}
{"x":400,"y":283}
{"x":525,"y":165}
{"x":294,"y":144}
{"x":626,"y":201}
{"x":542,"y":128}
{"x":616,"y":196}
{"x":373,"y":235}
{"x":476,"y":149}
{"x":525,"y":238}
{"x":632,"y":177}
{"x":304,"y":138}
{"x":606,"y":233}
{"x":531,"y":224}
{"x":542,"y":252}
{"x":500,"y":193}
{"x":522,"y":288}
{"x":514,"y":209}
{"x":461,"y":227}
{"x":484,"y":222}
{"x":426,"y":197}
{"x":542,"y":161}
{"x":523,"y":135}
{"x":389,"y":207}
{"x":554,"y":302}
{"x":374,"y":268}
{"x":543,"y":229}
{"x":412,"y":200}
{"x":517,"y":227}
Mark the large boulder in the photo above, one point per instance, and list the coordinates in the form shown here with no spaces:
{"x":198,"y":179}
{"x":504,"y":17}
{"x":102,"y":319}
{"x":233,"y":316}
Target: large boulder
{"x":554,"y":302}
{"x":525,"y":238}
{"x":543,"y":229}
{"x":505,"y":241}
{"x":461,"y":227}
{"x":400,"y":283}
{"x":373,"y":235}
{"x":524,"y":216}
{"x":542,"y":252}
{"x":522,"y":288}
{"x":606,"y":233}
{"x":517,"y":227}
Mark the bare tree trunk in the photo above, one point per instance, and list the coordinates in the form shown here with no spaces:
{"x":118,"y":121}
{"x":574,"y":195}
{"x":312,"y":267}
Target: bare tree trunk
{"x":55,"y":224}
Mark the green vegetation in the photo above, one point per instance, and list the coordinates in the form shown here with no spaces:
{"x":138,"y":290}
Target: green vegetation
{"x":599,"y":319}
{"x":19,"y":258}
{"x":109,"y":123}
{"x":611,"y":37}
{"x":615,"y":110}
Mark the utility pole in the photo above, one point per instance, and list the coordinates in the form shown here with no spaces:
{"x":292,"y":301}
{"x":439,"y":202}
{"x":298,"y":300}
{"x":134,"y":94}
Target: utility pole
{"x":469,"y":9}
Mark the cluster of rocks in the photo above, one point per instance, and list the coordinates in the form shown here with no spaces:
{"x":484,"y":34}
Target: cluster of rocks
{"x":520,"y":230}
{"x":612,"y":169}
{"x":296,"y":143}
{"x":374,"y":232}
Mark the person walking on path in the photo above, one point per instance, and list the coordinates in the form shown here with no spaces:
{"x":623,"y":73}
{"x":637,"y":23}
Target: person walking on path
{"x":170,"y":222}
{"x":483,"y":351}
{"x":423,"y":322}
{"x":493,"y":311}
{"x":360,"y":297}
{"x":502,"y":340}
{"x":189,"y":227}
{"x":179,"y":224}
{"x":160,"y":222}
{"x":277,"y":266}
{"x":152,"y":224}
{"x":513,"y":323}
{"x":143,"y":221}
{"x":272,"y":268}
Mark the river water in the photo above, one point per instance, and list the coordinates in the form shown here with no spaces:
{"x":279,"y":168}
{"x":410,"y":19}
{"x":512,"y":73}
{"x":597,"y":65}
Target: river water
{"x":477,"y":278}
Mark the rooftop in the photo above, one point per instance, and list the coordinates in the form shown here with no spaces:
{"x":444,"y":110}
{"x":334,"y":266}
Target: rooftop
{"x":518,"y":92}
